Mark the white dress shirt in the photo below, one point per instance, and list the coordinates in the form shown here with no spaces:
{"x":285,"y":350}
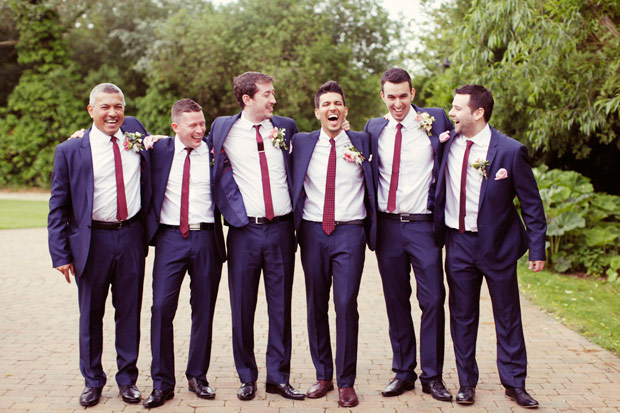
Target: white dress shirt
{"x":478,"y":151}
{"x":242,"y":150}
{"x":104,"y":176}
{"x":416,"y":166}
{"x":200,"y":205}
{"x":349,"y":194}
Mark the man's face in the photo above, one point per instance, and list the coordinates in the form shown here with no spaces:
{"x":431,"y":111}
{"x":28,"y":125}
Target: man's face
{"x":462,"y":115}
{"x":331,"y":112}
{"x":108,"y":112}
{"x":398,"y":98}
{"x":190,"y":128}
{"x":260,"y":106}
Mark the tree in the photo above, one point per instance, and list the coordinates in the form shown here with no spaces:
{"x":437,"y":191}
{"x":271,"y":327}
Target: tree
{"x":554,"y":69}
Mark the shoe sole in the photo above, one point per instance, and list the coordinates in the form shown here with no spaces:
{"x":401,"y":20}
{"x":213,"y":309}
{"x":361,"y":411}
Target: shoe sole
{"x":441,"y":399}
{"x":131,"y":401}
{"x":464,"y":402}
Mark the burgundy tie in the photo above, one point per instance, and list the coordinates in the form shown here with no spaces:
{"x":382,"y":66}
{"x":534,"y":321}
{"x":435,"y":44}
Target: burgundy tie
{"x":121,"y":201}
{"x":391,"y":204}
{"x":329,"y":207}
{"x":184,"y":221}
{"x":264,"y":172}
{"x":463,"y":186}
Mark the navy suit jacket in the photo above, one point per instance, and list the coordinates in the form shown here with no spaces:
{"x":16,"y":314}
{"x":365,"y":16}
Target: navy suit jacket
{"x":161,"y":162}
{"x":228,"y":197}
{"x":303,"y":147}
{"x":71,"y":201}
{"x":502,"y":239}
{"x":442,"y":123}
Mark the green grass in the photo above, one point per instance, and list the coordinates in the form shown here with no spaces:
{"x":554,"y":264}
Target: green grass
{"x":589,"y":306}
{"x":23,"y":214}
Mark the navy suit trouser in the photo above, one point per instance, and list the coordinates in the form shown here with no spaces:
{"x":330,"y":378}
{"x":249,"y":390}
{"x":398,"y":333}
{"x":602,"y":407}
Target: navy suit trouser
{"x":400,"y":246}
{"x":269,"y":248}
{"x":116,"y":260}
{"x":465,"y":273}
{"x":338,"y":258}
{"x":174,"y":257}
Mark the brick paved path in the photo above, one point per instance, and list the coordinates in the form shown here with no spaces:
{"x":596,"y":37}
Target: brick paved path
{"x":39,"y":351}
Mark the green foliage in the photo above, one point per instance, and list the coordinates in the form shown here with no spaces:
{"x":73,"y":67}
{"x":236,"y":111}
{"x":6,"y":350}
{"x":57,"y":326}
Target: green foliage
{"x":553,"y":67}
{"x":42,"y":108}
{"x":583,"y":226}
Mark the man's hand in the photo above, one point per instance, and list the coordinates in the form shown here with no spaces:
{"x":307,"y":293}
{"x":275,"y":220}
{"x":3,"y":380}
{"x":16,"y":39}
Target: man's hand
{"x":346,"y":126}
{"x":65,"y":270}
{"x":77,"y":134}
{"x":150,"y":140}
{"x":536,"y":266}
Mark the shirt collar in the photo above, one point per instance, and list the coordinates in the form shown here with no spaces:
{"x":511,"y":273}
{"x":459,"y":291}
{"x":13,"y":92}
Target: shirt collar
{"x":325,"y":137}
{"x":180,"y":147}
{"x":97,"y":134}
{"x":483,"y":137}
{"x":247,"y":124}
{"x":409,"y":122}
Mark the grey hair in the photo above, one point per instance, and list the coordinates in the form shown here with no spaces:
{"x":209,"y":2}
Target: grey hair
{"x":104,"y":88}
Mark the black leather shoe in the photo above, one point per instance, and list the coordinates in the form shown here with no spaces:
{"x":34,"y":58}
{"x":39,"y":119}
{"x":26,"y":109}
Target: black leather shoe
{"x":158,"y":398}
{"x":397,"y":387}
{"x":90,"y":396}
{"x":285,"y":390}
{"x":522,"y":398}
{"x":466,"y":395}
{"x":201,"y":388}
{"x":247,"y":391}
{"x":130,"y":394}
{"x":437,"y":389}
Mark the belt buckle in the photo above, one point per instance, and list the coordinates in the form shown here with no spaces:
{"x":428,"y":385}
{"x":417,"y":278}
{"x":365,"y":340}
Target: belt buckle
{"x":404,"y":217}
{"x":120,"y":225}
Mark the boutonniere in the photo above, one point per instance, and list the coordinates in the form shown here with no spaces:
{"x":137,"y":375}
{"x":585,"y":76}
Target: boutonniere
{"x":425,"y":122}
{"x":481,"y":166}
{"x":277,"y":138}
{"x":133,"y":141}
{"x":212,"y":158}
{"x":351,"y":154}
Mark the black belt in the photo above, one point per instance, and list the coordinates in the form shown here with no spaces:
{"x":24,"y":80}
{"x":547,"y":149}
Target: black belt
{"x":192,"y":227}
{"x":407,"y":217}
{"x":114,"y":225}
{"x":263,"y":220}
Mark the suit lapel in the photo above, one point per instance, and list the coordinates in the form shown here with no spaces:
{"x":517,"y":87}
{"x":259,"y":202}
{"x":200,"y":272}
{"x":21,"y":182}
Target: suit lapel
{"x":275,"y":121}
{"x":307,"y":150}
{"x":490,"y":156}
{"x":219,"y":136}
{"x":87,"y":168}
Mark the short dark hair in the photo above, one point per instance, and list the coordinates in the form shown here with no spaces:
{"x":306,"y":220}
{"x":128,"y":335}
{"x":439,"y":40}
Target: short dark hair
{"x":184,"y":106}
{"x":395,"y":75}
{"x":245,"y":84}
{"x":479,"y":97}
{"x":327,"y":87}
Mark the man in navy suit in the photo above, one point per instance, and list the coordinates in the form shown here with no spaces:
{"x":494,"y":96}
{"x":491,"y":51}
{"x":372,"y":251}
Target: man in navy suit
{"x":100,"y":190}
{"x":186,"y":229}
{"x":252,"y":184}
{"x":481,"y":173}
{"x":334,"y":217}
{"x":407,"y":154}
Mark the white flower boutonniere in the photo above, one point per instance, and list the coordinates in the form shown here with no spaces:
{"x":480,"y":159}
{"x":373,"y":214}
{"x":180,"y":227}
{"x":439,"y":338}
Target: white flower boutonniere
{"x":425,"y":122}
{"x":277,"y":138}
{"x":481,"y":166}
{"x":351,"y":154}
{"x":133,"y":141}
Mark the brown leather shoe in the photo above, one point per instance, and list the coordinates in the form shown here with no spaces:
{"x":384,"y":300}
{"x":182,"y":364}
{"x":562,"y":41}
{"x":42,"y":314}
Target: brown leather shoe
{"x":320,"y":389}
{"x":347,"y":397}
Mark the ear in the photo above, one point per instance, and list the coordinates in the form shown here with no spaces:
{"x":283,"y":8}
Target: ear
{"x":382,"y":95}
{"x":90,"y":110}
{"x":246,"y":99}
{"x":478,"y":114}
{"x":316,"y":113}
{"x":175,"y":127}
{"x":346,"y":112}
{"x":412,"y":93}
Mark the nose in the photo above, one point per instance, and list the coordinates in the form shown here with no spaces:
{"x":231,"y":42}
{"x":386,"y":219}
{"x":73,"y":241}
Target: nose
{"x":451,"y":113}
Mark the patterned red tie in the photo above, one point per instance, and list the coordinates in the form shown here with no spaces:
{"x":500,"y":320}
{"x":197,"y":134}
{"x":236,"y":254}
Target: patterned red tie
{"x":184,"y":221}
{"x":264,"y":172}
{"x":463,"y":186}
{"x":329,"y":207}
{"x":391,"y":204}
{"x":121,"y":200}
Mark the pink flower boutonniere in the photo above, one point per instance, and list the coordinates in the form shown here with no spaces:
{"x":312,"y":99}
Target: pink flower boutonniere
{"x":277,"y":138}
{"x":481,"y":166}
{"x":425,"y":122}
{"x":351,"y":154}
{"x":133,"y":141}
